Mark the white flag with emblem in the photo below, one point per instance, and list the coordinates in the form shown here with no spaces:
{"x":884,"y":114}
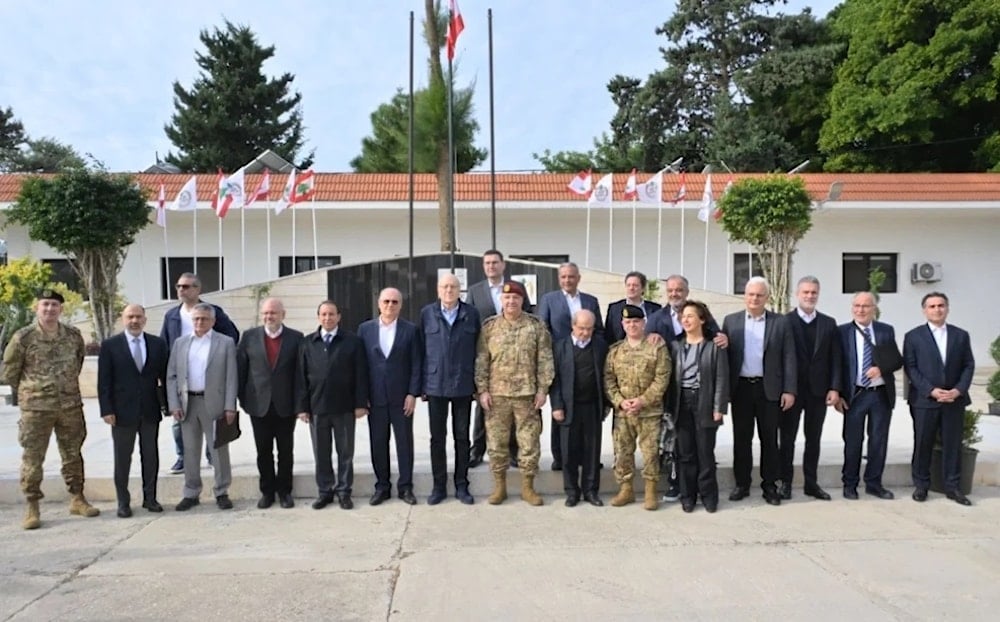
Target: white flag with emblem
{"x":187,"y":198}
{"x":601,"y":196}
{"x":650,"y":192}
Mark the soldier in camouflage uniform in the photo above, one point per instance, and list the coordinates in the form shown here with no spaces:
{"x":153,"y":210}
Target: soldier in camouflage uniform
{"x":514,"y":369}
{"x":42,"y":365}
{"x":636,"y":375}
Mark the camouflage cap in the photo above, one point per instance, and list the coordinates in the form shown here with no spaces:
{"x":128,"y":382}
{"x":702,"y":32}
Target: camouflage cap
{"x":513,"y":287}
{"x":49,"y":294}
{"x":632,"y":311}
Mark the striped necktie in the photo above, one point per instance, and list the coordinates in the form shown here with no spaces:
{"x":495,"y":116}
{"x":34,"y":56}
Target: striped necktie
{"x":866,"y":357}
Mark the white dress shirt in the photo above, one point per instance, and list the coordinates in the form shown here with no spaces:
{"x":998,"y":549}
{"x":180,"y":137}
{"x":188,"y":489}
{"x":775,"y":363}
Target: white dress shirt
{"x":574,"y":303}
{"x":386,"y":336}
{"x":132,"y":339}
{"x":806,"y":317}
{"x":859,"y":352}
{"x":198,"y":352}
{"x":753,"y":346}
{"x":941,"y":339}
{"x":187,"y":325}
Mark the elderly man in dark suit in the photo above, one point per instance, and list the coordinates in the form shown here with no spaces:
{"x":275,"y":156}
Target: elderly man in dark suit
{"x":763,"y":381}
{"x":556,"y":310}
{"x":579,"y":406}
{"x":635,"y":286}
{"x":450,"y":331}
{"x":201,"y":389}
{"x":817,"y":351}
{"x":868,"y":392}
{"x":131,"y":380}
{"x":267,"y":363}
{"x":939,"y":363}
{"x":394,"y":353}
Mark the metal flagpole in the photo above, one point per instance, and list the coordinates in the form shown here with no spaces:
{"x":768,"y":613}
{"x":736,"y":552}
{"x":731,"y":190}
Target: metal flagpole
{"x":729,"y":265}
{"x":493,"y":148}
{"x":243,"y":241}
{"x":312,"y":203}
{"x":633,"y":231}
{"x":611,"y":234}
{"x":681,"y":204}
{"x":659,"y":234}
{"x":221,"y":280}
{"x":270,"y":257}
{"x":166,"y":255}
{"x":295,"y":263}
{"x":451,"y":165}
{"x":409,"y":171}
{"x":704,"y":278}
{"x":194,"y":220}
{"x":586,"y":253}
{"x":142,"y":262}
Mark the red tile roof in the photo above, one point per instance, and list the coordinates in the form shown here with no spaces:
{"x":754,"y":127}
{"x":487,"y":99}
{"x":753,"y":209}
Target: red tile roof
{"x":547,"y":187}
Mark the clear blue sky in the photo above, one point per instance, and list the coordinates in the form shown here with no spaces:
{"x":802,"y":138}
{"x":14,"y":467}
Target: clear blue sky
{"x":98,"y":75}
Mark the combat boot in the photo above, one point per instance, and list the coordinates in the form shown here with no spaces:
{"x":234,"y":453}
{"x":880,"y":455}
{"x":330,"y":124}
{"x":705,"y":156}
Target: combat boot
{"x":32,"y":518}
{"x":499,"y":489}
{"x":625,"y":495}
{"x":651,"y":502}
{"x":528,"y":490}
{"x":80,"y":507}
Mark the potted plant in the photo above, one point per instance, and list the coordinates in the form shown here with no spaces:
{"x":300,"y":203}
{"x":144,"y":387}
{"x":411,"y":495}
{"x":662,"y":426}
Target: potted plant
{"x":993,"y":384}
{"x":970,"y":436}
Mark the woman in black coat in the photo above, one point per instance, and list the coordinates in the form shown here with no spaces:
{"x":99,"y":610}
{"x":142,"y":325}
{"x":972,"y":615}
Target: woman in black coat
{"x":698,"y":396}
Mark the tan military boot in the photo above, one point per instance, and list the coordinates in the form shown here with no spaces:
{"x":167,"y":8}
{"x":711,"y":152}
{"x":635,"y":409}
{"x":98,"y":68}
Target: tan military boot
{"x":650,"y":502}
{"x":32,"y":518}
{"x":499,"y":489}
{"x":80,"y":507}
{"x":625,"y":495}
{"x":528,"y":490}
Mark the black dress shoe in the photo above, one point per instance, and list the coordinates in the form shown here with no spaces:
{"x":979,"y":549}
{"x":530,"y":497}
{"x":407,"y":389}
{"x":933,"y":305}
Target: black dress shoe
{"x":462,"y":494}
{"x":186,"y":504}
{"x":572,"y":500}
{"x":879,"y":492}
{"x":850,"y":493}
{"x":378,"y":497}
{"x":557,"y":465}
{"x":475,"y":460}
{"x":772,"y":498}
{"x":285,"y":500}
{"x":711,"y":506}
{"x":322,"y":501}
{"x":593,"y":499}
{"x":739,"y":493}
{"x":437,"y":496}
{"x":224,"y":502}
{"x":407,"y":497}
{"x":687,"y":505}
{"x":958,"y":497}
{"x":786,"y":490}
{"x":817,"y":493}
{"x":265,"y":502}
{"x":920,"y":495}
{"x":345,"y":502}
{"x":152,"y":506}
{"x":124,"y":511}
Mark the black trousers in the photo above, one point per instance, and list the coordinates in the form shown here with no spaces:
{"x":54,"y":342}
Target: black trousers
{"x":580,"y":442}
{"x":123,"y":441}
{"x":479,"y":437}
{"x":926,"y":421}
{"x":752,"y":406}
{"x":270,"y":431}
{"x":380,"y":420}
{"x":328,"y":431}
{"x":873,"y":406}
{"x":461,"y":408}
{"x":815,"y":415}
{"x":696,"y":470}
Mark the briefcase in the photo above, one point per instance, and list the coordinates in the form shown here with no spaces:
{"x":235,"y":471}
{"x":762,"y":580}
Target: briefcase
{"x":226,"y":433}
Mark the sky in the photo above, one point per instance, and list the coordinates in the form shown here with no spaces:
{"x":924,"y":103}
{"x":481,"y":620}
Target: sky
{"x":98,"y":75}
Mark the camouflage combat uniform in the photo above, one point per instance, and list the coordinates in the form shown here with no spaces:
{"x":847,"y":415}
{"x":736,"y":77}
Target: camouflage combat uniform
{"x":513,"y":363}
{"x":43,"y":370}
{"x":637,"y":371}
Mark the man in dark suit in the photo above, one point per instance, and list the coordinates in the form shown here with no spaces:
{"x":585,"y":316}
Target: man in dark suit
{"x":939,"y":363}
{"x":579,"y":405}
{"x":450,"y":331}
{"x":762,"y":376}
{"x":394,"y":353}
{"x":332,"y":392}
{"x":177,"y":323}
{"x":267,"y":360}
{"x":131,"y":381}
{"x":485,"y":297}
{"x":817,"y":351}
{"x":635,"y":285}
{"x":556,"y":310}
{"x":868,"y":391}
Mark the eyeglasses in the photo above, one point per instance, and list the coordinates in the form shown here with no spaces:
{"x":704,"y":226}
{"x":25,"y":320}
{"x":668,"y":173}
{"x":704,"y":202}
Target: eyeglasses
{"x":184,"y":286}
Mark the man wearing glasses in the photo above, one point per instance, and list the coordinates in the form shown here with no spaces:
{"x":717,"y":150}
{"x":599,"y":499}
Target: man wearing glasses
{"x":177,"y":323}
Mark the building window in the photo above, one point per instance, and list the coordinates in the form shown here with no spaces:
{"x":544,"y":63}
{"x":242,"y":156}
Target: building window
{"x":857,"y":266}
{"x":172,"y":268}
{"x":741,"y":270}
{"x":305,"y":264}
{"x":556,"y":259}
{"x":62,"y":272}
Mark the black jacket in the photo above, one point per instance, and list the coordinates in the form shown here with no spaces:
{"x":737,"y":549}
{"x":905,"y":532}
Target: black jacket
{"x":334,"y":382}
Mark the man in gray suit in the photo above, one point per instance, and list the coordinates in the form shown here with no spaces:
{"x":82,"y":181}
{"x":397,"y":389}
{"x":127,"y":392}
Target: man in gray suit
{"x":201,"y":388}
{"x":267,"y":364}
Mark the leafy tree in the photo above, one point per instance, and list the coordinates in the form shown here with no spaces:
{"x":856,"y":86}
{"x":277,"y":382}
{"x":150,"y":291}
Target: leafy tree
{"x":771,"y":214}
{"x":91,"y":217}
{"x":918,"y":88}
{"x":12,"y":136}
{"x":233,"y":112}
{"x":44,"y":155}
{"x":20,"y":280}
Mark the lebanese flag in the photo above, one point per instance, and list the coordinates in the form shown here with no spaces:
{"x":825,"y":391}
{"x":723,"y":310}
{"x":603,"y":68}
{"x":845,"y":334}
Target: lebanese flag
{"x":682,"y":191}
{"x":581,"y":184}
{"x":232,"y":193}
{"x":262,"y":191}
{"x":455,"y":27}
{"x":305,"y":187}
{"x":220,"y":190}
{"x":601,"y":196}
{"x":286,"y":194}
{"x":631,"y":192}
{"x":161,"y":207}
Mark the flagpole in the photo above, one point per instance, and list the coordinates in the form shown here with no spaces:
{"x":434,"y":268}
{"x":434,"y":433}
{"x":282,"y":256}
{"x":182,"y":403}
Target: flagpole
{"x":451,"y":161}
{"x":270,"y":257}
{"x":295,"y":263}
{"x":221,"y":279}
{"x":611,"y":234}
{"x":659,"y":234}
{"x":681,"y":204}
{"x":166,"y":253}
{"x":729,"y":265}
{"x":704,"y":278}
{"x":633,"y":232}
{"x":493,"y":148}
{"x":409,"y":171}
{"x":194,"y":237}
{"x":142,"y":262}
{"x":243,"y":242}
{"x":586,"y":254}
{"x":312,"y":203}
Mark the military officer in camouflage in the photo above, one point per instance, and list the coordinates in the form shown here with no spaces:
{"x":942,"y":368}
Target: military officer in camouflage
{"x":42,"y":365}
{"x":514,"y":369}
{"x":636,"y":376}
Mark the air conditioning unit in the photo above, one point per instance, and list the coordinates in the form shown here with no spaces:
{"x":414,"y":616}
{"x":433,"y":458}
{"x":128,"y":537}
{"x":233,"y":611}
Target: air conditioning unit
{"x":925,"y":272}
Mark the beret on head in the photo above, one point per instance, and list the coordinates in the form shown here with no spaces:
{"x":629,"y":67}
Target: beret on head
{"x":632,"y":311}
{"x":513,"y":287}
{"x":49,"y":294}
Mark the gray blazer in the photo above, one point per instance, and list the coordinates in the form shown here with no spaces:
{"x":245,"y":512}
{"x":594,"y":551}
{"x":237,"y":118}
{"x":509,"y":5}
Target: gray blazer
{"x":220,"y":375}
{"x":260,"y":385}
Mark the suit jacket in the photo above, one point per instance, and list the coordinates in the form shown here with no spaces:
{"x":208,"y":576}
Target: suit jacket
{"x":713,"y":378}
{"x":820,"y":368}
{"x":395,"y":374}
{"x":124,"y":391}
{"x":171,"y":329}
{"x":334,"y":382}
{"x":479,"y":296}
{"x":883,"y":333}
{"x":780,"y":366}
{"x":926,"y":371}
{"x":553,"y":310}
{"x":260,"y":385}
{"x":662,"y":324}
{"x":562,"y":389}
{"x":220,"y":375}
{"x":449,"y":368}
{"x":613,"y":331}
